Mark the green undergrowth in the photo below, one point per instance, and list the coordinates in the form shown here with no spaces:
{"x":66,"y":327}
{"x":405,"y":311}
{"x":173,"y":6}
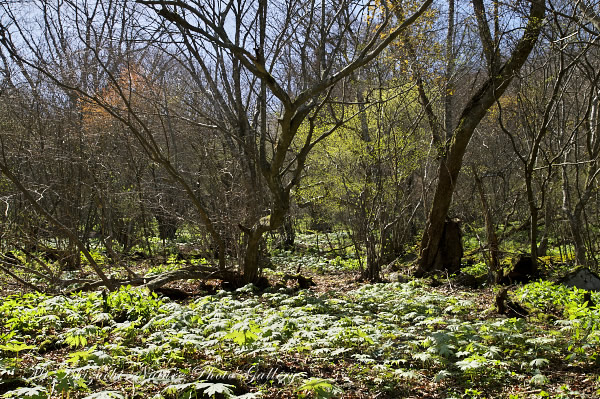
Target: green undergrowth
{"x":384,"y":340}
{"x":287,"y":261}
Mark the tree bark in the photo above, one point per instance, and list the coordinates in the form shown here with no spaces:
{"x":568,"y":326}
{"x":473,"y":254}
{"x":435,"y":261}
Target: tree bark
{"x":450,"y":65}
{"x":373,"y":269}
{"x":251,"y":264}
{"x":494,"y":274}
{"x":533,"y":211}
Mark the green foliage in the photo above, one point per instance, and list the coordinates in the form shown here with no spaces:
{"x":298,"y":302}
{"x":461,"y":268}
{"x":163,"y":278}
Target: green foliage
{"x":136,"y":304}
{"x":78,"y":337}
{"x":360,"y":179}
{"x":66,"y":380}
{"x":244,"y":333}
{"x":191,"y":390}
{"x":15,"y":347}
{"x":36,"y":392}
{"x":318,"y":388}
{"x":476,"y":269}
{"x":580,"y":322}
{"x":99,"y":257}
{"x":386,"y":337}
{"x":105,"y":395}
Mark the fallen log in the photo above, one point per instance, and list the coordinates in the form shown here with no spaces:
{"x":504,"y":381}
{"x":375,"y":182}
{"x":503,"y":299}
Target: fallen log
{"x":154,"y":283}
{"x":303,"y":282}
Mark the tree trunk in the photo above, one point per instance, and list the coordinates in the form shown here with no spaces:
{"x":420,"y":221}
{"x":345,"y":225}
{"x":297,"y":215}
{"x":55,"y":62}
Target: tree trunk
{"x":543,"y":247}
{"x":434,"y":229}
{"x":450,"y":252}
{"x":574,"y":217}
{"x":167,"y":225}
{"x":450,"y":65}
{"x":251,"y":264}
{"x":474,"y":111}
{"x":533,"y":211}
{"x":495,"y":272}
{"x":533,"y":234}
{"x":253,"y":239}
{"x":575,"y":224}
{"x":371,"y":272}
{"x":288,"y":233}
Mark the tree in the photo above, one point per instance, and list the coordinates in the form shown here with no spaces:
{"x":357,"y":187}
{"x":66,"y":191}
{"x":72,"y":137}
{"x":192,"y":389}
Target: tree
{"x":242,"y":102}
{"x":56,"y":171}
{"x":365,"y":185}
{"x":499,"y":76}
{"x":324,"y":60}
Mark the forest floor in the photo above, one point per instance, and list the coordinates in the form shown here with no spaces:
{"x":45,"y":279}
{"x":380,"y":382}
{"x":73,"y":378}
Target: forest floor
{"x":340,"y":338}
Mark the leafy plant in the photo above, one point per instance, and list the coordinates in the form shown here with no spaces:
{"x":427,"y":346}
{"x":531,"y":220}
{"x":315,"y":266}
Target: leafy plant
{"x":319,"y":388}
{"x":380,"y":336}
{"x":244,"y":334}
{"x":68,"y":380}
{"x":190,"y":390}
{"x":36,"y":392}
{"x":16,"y":347}
{"x":105,"y":395}
{"x":78,"y":337}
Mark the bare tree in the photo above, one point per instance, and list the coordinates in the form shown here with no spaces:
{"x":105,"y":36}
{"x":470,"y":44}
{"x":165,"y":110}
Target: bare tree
{"x":499,"y":75}
{"x":244,"y":101}
{"x":316,"y":33}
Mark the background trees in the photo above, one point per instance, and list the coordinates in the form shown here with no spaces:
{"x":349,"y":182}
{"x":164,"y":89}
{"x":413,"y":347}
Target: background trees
{"x":240,"y":111}
{"x":126,"y":120}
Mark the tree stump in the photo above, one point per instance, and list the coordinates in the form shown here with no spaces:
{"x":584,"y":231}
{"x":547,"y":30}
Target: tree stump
{"x":450,"y":252}
{"x":507,"y":307}
{"x":523,"y":271}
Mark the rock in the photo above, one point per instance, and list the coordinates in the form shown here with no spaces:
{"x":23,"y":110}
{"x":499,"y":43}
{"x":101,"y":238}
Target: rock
{"x":582,"y":278}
